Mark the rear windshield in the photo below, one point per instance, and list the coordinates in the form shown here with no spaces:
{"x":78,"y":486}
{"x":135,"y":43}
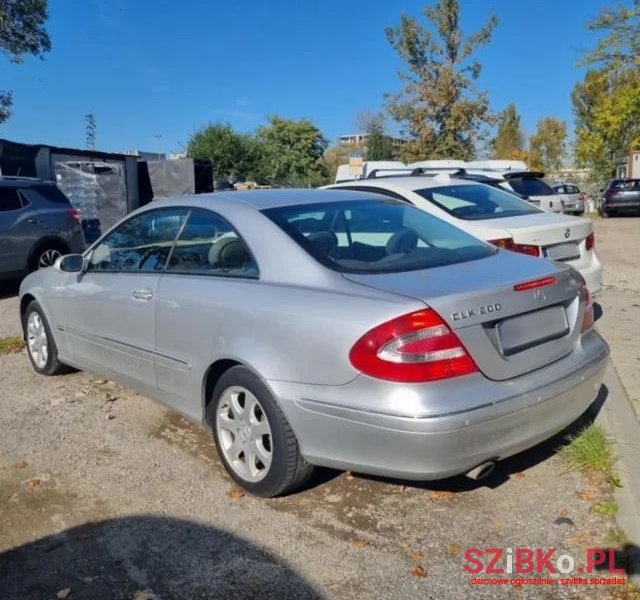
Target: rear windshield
{"x":376,"y":236}
{"x":629,"y":184}
{"x":531,"y":186}
{"x":477,"y":202}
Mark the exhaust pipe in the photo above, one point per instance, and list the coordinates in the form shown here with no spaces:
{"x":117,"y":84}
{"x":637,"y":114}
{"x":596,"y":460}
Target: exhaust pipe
{"x":481,"y":471}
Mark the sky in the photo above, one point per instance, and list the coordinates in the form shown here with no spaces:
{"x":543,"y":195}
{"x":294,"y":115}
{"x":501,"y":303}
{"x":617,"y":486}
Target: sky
{"x":153,"y":71}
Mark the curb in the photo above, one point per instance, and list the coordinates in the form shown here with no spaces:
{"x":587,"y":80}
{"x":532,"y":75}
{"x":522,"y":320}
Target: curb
{"x":619,"y":419}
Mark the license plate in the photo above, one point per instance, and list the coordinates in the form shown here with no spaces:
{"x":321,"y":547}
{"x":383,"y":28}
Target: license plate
{"x":524,"y":331}
{"x":566,"y":251}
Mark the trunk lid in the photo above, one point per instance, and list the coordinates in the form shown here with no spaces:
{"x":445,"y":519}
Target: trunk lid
{"x":508,"y":333}
{"x":559,"y":236}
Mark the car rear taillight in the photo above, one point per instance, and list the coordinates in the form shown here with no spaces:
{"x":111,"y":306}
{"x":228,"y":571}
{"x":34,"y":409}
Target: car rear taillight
{"x":504,"y":243}
{"x":413,"y":348}
{"x":75,"y":215}
{"x":590,"y":241}
{"x":589,"y":317}
{"x":527,"y":249}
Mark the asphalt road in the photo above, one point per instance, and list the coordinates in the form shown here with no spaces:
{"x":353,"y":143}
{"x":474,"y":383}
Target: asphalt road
{"x":109,"y":495}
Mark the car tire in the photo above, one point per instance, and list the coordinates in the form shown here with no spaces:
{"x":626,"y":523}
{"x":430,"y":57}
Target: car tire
{"x":41,"y":347}
{"x":46,"y":255}
{"x":253,"y":437}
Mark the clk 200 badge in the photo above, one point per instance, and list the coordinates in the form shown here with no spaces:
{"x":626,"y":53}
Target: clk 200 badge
{"x":474,"y":312}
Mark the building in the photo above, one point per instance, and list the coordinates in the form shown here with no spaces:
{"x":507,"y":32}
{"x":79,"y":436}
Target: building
{"x":628,"y":166}
{"x":360,"y":139}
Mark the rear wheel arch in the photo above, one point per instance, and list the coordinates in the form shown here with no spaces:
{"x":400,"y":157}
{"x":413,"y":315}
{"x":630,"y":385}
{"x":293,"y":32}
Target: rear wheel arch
{"x":24,"y":302}
{"x":211,"y":378}
{"x":43,"y":244}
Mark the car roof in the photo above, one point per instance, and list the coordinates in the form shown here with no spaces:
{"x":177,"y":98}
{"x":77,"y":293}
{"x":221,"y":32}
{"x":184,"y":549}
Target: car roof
{"x":265,"y":199}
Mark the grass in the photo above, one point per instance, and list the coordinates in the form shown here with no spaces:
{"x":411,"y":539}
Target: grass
{"x":11,"y":345}
{"x":592,"y":452}
{"x":608,"y":508}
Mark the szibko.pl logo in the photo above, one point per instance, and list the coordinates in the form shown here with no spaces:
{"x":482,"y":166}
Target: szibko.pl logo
{"x":540,"y":563}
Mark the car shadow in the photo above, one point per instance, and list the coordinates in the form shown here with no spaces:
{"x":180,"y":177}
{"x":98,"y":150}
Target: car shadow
{"x":508,"y":467}
{"x":143,"y":557}
{"x":9,"y":289}
{"x":626,"y":558}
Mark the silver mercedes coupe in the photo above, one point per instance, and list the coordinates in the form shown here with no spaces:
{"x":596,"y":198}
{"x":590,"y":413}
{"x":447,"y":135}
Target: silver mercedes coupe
{"x":324,"y":327}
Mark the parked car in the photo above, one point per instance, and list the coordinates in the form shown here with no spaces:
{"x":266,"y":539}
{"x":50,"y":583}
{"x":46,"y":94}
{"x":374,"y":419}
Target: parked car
{"x":621,"y":196}
{"x":493,"y":215}
{"x":571,"y":198}
{"x":37,"y":225}
{"x":515,"y":176}
{"x":332,"y":328}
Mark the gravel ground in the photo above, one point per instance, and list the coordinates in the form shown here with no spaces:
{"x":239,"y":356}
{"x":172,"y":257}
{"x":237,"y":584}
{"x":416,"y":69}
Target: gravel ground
{"x":109,"y":495}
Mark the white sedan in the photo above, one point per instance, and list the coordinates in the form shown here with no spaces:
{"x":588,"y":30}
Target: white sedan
{"x":498,"y":217}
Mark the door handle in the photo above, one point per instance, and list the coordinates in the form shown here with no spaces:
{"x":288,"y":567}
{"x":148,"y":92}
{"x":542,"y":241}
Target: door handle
{"x":143,"y":294}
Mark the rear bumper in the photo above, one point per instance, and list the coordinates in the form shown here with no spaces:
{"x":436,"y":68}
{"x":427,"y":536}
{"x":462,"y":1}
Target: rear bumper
{"x":622,"y":206}
{"x":592,"y":275}
{"x":414,"y":432}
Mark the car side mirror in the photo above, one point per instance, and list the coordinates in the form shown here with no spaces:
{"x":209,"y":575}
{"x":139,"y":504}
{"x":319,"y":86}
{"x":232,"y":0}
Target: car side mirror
{"x":72,"y":263}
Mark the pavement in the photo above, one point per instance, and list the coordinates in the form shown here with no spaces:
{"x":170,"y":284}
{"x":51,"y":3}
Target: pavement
{"x":105,"y":494}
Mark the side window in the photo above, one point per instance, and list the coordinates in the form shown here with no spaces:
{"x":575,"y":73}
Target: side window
{"x":208,"y":245}
{"x":142,"y":243}
{"x":9,"y":199}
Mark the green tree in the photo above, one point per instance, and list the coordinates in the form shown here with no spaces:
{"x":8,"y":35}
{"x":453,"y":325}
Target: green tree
{"x":607,"y":108}
{"x":291,"y":153}
{"x":620,"y":44}
{"x":233,"y":154}
{"x":22,"y":32}
{"x":441,"y":111}
{"x":509,"y":140}
{"x":378,"y":145}
{"x":548,"y":146}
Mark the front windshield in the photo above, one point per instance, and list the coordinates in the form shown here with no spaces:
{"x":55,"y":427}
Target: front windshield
{"x":475,"y":202}
{"x":376,"y":236}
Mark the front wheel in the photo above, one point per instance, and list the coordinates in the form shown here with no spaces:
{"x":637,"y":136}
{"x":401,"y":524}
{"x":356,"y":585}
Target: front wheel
{"x":254,"y":439}
{"x":41,"y":347}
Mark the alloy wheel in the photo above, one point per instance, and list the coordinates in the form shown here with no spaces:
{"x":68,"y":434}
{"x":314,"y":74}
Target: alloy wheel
{"x":48,"y":258}
{"x":37,"y":340}
{"x":244,"y":434}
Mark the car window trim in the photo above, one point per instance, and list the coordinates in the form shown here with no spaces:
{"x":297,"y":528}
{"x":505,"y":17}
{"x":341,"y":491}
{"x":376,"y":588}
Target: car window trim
{"x":193,"y":209}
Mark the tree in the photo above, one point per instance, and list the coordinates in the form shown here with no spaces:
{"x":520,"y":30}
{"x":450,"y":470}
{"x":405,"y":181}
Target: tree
{"x":549,"y":144}
{"x":291,"y":152}
{"x":378,"y":145}
{"x":232,"y":153}
{"x":509,"y":141}
{"x":620,"y":47}
{"x":338,"y":155}
{"x":22,"y":32}
{"x":607,"y":108}
{"x":442,"y":112}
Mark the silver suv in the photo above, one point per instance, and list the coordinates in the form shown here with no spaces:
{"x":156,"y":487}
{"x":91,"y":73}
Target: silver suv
{"x":37,"y":225}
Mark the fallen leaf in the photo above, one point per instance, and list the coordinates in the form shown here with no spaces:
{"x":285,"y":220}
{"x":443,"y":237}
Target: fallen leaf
{"x":109,"y":415}
{"x":441,"y":495}
{"x":236,"y":493}
{"x":520,"y":475}
{"x":587,"y":495}
{"x":360,"y":543}
{"x":419,"y":571}
{"x":32,"y":483}
{"x":417,"y":555}
{"x":21,"y":465}
{"x":349,"y":476}
{"x":64,"y":593}
{"x":454,"y":548}
{"x":563,"y":512}
{"x":403,"y":489}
